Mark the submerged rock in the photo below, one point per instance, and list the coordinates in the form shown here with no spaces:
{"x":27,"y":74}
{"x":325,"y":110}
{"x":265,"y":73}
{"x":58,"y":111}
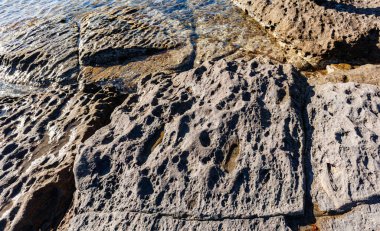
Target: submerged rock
{"x":364,"y":217}
{"x":114,"y":35}
{"x":39,"y":136}
{"x":39,"y":52}
{"x":323,"y":31}
{"x":141,"y":221}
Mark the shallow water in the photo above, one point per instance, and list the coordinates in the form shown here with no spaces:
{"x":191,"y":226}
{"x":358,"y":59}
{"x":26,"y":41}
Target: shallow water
{"x":219,"y":28}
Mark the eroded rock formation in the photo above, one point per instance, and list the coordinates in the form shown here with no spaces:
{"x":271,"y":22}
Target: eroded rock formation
{"x":155,"y":122}
{"x":323,"y":31}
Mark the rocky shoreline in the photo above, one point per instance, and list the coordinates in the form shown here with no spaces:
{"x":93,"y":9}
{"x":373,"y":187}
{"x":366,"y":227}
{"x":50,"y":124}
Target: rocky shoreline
{"x":128,"y":118}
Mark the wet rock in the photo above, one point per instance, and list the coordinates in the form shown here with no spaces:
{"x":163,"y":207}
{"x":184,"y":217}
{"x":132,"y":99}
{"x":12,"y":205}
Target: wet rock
{"x":113,"y":35}
{"x":369,"y":74}
{"x":39,"y":52}
{"x":220,"y":141}
{"x":129,"y":42}
{"x":364,"y":217}
{"x":343,"y":133}
{"x":39,"y":137}
{"x":140,"y":221}
{"x":322,"y":31}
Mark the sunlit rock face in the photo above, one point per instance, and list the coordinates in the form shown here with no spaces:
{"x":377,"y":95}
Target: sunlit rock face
{"x":39,"y":137}
{"x":323,"y":31}
{"x":39,"y":52}
{"x":221,"y":141}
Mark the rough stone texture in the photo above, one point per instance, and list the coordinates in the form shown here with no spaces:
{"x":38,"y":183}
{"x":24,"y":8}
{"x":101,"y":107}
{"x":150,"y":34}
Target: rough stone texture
{"x":364,"y":217}
{"x":369,"y":74}
{"x":39,"y":52}
{"x":39,"y":136}
{"x":344,"y":135}
{"x":323,"y":31}
{"x":126,"y":42}
{"x":220,"y":141}
{"x":140,"y":221}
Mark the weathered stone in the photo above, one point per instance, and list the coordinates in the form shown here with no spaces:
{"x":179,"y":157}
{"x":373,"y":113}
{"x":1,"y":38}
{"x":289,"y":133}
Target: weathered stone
{"x":322,"y":31}
{"x":364,"y":217}
{"x":141,"y":221}
{"x":344,"y":145}
{"x":39,"y":52}
{"x":39,"y":136}
{"x":220,"y":141}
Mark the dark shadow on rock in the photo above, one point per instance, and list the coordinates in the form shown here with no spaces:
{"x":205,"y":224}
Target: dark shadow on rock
{"x":363,"y":51}
{"x":342,"y":7}
{"x":308,"y":218}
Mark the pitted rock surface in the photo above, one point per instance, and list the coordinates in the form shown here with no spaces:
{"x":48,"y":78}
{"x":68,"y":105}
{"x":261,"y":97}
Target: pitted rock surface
{"x":344,"y":152}
{"x":220,"y":141}
{"x":39,"y":52}
{"x":368,"y":74}
{"x":39,"y":136}
{"x":323,"y":31}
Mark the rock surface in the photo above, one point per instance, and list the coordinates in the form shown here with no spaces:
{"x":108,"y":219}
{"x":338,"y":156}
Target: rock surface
{"x":140,"y":221}
{"x":344,"y":133}
{"x":39,"y":52}
{"x":39,"y":136}
{"x":322,"y":31}
{"x":221,"y":141}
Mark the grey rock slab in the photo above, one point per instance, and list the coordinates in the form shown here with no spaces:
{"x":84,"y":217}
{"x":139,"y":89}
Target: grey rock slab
{"x":223,"y":140}
{"x":111,"y":36}
{"x":344,"y":137}
{"x":322,"y":31}
{"x":39,"y":136}
{"x":39,"y":52}
{"x":140,"y":221}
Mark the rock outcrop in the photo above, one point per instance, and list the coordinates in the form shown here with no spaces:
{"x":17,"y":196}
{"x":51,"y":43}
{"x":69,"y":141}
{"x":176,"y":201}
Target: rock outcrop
{"x":344,"y":134}
{"x":39,"y":137}
{"x":323,"y":31}
{"x":39,"y":52}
